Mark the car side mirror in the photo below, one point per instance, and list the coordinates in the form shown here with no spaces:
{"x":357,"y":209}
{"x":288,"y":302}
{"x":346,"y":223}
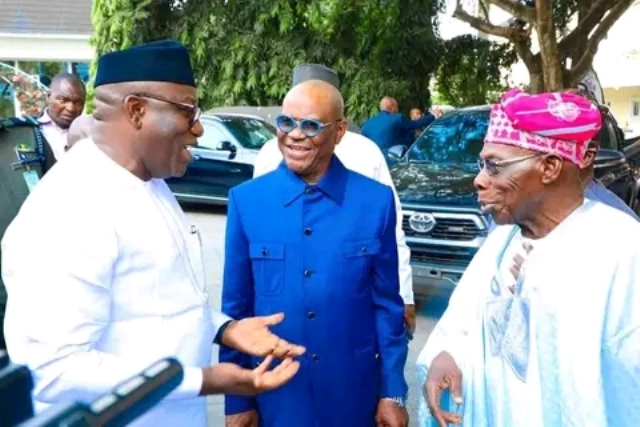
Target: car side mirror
{"x":395,"y":152}
{"x":226,"y":146}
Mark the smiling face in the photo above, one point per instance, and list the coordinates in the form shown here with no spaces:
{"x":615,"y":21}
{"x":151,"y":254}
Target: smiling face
{"x":165,"y":128}
{"x":310,"y":157}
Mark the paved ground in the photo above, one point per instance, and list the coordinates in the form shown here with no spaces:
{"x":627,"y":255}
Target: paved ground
{"x":211,"y":223}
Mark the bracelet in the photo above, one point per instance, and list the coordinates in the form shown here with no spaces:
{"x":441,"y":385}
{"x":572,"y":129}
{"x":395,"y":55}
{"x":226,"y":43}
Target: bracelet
{"x":400,"y":401}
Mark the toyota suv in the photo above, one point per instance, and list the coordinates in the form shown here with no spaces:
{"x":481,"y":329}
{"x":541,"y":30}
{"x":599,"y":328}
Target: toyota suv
{"x":441,"y":216}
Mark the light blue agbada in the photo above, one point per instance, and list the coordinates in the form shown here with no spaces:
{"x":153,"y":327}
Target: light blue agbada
{"x":563,"y":350}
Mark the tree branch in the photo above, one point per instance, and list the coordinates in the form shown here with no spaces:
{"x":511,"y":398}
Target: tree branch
{"x":516,"y":9}
{"x":485,"y":10}
{"x":583,"y":9}
{"x":483,"y":25}
{"x":528,"y":58}
{"x":585,"y":26}
{"x":586,"y":61}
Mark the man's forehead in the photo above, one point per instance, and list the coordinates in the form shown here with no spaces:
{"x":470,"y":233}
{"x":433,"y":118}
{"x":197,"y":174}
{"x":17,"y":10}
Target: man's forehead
{"x":178,"y":92}
{"x":303,"y":107}
{"x":68,"y":87}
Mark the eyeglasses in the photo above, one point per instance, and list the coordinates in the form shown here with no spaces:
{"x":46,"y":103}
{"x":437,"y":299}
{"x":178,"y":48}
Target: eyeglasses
{"x":194,"y":110}
{"x":493,"y":166}
{"x":309,"y":127}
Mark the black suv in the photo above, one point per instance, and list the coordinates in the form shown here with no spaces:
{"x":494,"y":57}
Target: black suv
{"x":441,"y":215}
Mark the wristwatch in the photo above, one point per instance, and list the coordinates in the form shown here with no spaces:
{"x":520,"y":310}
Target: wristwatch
{"x":400,"y":401}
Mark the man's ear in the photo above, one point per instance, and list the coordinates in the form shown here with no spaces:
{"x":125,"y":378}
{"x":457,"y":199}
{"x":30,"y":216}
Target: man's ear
{"x":551,"y":168}
{"x":135,"y":109}
{"x":589,"y":158}
{"x":342,"y":129}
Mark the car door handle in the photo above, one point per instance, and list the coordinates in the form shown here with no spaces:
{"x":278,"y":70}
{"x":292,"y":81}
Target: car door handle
{"x":235,"y":170}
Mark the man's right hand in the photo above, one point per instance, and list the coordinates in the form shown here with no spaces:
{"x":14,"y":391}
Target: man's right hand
{"x":243,"y":419}
{"x":443,"y":374}
{"x":227,"y":378}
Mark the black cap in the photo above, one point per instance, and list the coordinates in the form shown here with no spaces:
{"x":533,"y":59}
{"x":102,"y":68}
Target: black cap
{"x":159,"y":61}
{"x":305,"y":72}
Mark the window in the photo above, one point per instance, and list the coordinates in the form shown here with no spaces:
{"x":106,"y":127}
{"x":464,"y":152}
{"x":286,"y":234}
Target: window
{"x":250,"y":133}
{"x":456,"y":138}
{"x":212,"y":136}
{"x":635,"y":108}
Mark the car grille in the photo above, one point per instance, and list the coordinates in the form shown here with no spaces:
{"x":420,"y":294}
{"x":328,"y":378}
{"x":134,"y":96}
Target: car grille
{"x":442,"y":255}
{"x":459,"y":229}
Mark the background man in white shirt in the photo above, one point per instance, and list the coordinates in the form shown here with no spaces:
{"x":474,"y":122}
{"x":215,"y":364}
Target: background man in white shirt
{"x":66,"y":102}
{"x":361,"y":155}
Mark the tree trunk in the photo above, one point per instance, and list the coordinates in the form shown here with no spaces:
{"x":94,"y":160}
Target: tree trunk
{"x":549,"y":52}
{"x":536,"y":81}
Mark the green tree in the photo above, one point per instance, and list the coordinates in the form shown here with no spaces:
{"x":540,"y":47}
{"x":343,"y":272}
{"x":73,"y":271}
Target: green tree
{"x":120,"y":24}
{"x":472,"y":70}
{"x":568,"y":33}
{"x":243,"y":53}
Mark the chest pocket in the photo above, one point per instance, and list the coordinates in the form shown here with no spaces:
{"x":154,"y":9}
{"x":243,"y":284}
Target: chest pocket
{"x":359,"y":258}
{"x":267,"y":262}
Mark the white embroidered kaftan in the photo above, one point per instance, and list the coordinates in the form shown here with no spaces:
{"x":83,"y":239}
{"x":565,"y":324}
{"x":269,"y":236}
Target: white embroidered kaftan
{"x":564,"y":351}
{"x":105,"y":277}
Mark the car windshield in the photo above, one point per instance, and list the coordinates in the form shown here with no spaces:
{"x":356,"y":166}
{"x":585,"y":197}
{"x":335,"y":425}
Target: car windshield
{"x":454,"y":138}
{"x":251,"y":133}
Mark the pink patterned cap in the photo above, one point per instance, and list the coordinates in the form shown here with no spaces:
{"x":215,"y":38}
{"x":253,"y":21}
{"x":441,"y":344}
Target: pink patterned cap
{"x":551,"y":123}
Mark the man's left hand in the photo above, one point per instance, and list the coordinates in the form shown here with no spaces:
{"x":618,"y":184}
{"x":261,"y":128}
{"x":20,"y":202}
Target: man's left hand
{"x":390,"y":414}
{"x":410,"y":318}
{"x":252,"y":336}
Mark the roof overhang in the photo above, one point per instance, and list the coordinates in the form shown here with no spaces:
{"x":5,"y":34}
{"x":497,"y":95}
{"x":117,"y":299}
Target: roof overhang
{"x":46,"y":47}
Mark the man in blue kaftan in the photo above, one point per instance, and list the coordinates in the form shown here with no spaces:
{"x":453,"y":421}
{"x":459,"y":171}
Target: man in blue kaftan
{"x":557,"y":344}
{"x":317,"y":241}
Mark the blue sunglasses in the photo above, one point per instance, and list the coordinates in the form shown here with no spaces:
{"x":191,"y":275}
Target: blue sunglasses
{"x":309,"y":127}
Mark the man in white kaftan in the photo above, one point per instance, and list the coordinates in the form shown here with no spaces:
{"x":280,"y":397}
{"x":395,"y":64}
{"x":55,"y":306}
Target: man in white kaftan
{"x":133,"y":282}
{"x":558,"y":345}
{"x":585,"y":328}
{"x":103,"y":273}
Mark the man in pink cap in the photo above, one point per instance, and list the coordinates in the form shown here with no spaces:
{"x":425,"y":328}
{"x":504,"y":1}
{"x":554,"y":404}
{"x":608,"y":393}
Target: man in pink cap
{"x":558,"y":344}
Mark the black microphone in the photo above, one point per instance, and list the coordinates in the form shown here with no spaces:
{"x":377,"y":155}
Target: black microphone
{"x":125,"y":403}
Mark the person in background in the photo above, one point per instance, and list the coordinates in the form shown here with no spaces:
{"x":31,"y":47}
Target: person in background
{"x":507,"y":347}
{"x":361,"y":155}
{"x":120,"y":284}
{"x":303,"y":239}
{"x":79,"y":130}
{"x":416,"y":114}
{"x":389,"y":127}
{"x":67,"y":96}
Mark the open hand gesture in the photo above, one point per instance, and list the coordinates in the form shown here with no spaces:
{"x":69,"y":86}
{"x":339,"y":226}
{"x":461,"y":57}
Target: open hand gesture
{"x":252,"y":336}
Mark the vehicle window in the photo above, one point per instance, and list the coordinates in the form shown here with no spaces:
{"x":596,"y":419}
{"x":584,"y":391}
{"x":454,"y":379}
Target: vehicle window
{"x":213,"y":135}
{"x":608,"y":135}
{"x":455,"y":138}
{"x":250,"y":133}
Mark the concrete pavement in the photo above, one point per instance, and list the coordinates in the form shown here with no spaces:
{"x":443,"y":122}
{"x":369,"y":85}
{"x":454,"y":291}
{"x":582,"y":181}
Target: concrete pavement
{"x":211,"y":223}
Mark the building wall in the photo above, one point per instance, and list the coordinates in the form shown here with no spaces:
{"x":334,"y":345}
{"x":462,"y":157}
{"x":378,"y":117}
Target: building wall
{"x":625,"y":106}
{"x":34,"y":47}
